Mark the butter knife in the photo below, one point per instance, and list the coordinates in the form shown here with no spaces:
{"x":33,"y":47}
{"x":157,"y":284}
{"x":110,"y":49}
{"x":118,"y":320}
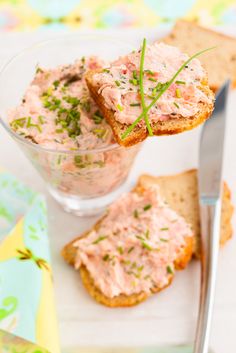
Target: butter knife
{"x":210,"y":185}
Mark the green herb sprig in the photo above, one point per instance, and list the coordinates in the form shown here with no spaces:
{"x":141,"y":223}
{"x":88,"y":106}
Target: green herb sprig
{"x":142,"y":87}
{"x":161,"y":92}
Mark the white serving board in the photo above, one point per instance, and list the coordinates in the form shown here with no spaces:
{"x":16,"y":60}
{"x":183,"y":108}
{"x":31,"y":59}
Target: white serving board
{"x":168,"y":317}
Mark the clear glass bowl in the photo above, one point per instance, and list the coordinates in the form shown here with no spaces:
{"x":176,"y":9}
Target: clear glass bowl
{"x":83,"y":181}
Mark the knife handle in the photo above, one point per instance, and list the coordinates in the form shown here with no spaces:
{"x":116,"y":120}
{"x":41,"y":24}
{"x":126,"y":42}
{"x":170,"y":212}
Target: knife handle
{"x":210,"y":212}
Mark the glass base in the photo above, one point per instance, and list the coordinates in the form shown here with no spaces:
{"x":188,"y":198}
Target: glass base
{"x":80,"y":206}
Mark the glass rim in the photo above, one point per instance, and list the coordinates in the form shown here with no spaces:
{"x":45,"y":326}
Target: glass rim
{"x":41,"y":44}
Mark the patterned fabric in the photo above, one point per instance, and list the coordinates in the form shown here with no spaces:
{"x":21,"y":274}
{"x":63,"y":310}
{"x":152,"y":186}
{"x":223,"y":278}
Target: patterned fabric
{"x":27,"y":307}
{"x":19,"y":15}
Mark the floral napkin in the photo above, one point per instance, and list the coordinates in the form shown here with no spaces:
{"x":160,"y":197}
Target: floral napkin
{"x":27,"y":307}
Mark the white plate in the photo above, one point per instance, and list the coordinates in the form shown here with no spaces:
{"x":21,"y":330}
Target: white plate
{"x":167,"y":317}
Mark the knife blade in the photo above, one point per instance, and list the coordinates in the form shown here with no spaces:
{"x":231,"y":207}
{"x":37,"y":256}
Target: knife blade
{"x":211,"y":154}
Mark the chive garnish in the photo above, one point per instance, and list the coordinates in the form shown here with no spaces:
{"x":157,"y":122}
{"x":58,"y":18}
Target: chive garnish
{"x":165,"y":228}
{"x":18,"y":122}
{"x":147,"y":207}
{"x":168,"y":84}
{"x":56,"y":83}
{"x":142,"y":88}
{"x":146,"y":246}
{"x":178,"y":93}
{"x":41,"y":119}
{"x":147,"y":234}
{"x":169,"y":269}
{"x":149,"y":72}
{"x":28,"y":122}
{"x":152,"y":79}
{"x":135,"y":104}
{"x":136,"y":214}
{"x":176,"y":104}
{"x":119,"y":107}
{"x":38,"y":69}
{"x":135,"y":76}
{"x":97,"y":117}
{"x":101,"y":238}
{"x":134,"y":81}
{"x":120,"y":250}
{"x":106,"y":257}
{"x":180,"y":82}
{"x":106,"y":70}
{"x":117,"y":83}
{"x":130,"y":249}
{"x":164,"y":240}
{"x":140,"y":238}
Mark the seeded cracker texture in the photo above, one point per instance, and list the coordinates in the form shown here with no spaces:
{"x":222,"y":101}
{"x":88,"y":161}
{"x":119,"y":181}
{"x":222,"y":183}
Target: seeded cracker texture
{"x":172,"y":126}
{"x":180,"y":192}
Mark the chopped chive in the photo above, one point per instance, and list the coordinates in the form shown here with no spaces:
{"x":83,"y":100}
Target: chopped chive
{"x":106,"y":257}
{"x":41,"y":119}
{"x":139,"y":237}
{"x":142,"y":88}
{"x":37,"y":127}
{"x":147,"y":234}
{"x":131,"y":127}
{"x":164,"y":240}
{"x":169,"y":269}
{"x":117,"y":83}
{"x":146,"y":246}
{"x":120,"y":250}
{"x":135,"y":76}
{"x":147,"y":207}
{"x":176,"y":104}
{"x":134,"y":81}
{"x":140,"y":268}
{"x":135,"y":104}
{"x":152,"y":79}
{"x":59,"y":131}
{"x":136,"y":214}
{"x":106,"y":70}
{"x":97,"y":117}
{"x":119,"y":107}
{"x":178,"y":93}
{"x":165,"y":228}
{"x":101,"y":238}
{"x":56,"y":83}
{"x":28,"y":123}
{"x":149,"y":72}
{"x":83,"y":59}
{"x":86,"y":106}
{"x":39,"y":70}
{"x":130,"y":249}
{"x":180,"y":82}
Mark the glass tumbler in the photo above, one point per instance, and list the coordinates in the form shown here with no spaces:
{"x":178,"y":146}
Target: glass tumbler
{"x":84,"y":182}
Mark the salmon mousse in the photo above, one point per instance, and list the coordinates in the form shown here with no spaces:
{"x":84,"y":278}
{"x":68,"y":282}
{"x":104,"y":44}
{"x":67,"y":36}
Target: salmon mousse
{"x":150,"y":89}
{"x":135,"y":248}
{"x":58,"y":113}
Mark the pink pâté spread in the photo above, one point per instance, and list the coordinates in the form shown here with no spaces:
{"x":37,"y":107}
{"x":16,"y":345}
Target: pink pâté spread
{"x":136,"y":245}
{"x":58,"y":112}
{"x":119,"y":84}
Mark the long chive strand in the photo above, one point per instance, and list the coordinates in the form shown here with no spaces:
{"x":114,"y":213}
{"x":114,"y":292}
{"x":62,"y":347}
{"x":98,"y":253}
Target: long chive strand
{"x":144,"y":112}
{"x":142,"y":88}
